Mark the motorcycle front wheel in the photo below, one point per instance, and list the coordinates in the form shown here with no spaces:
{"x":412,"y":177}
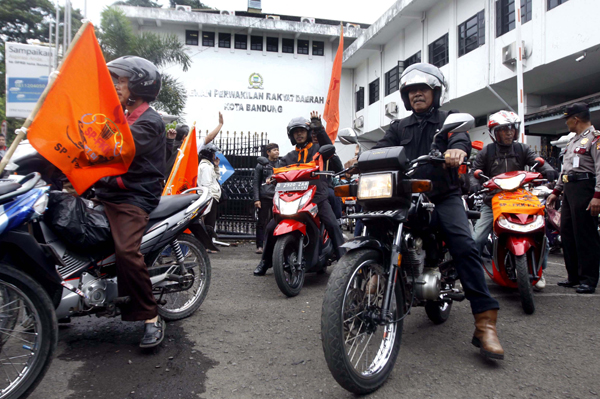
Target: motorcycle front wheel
{"x":524,"y":283}
{"x":360,"y":353}
{"x":289,"y":278}
{"x":29,"y":333}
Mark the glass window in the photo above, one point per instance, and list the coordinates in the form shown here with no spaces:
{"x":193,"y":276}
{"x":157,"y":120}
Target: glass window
{"x":413,"y":59}
{"x":256,"y":43}
{"x":438,"y":51}
{"x":392,"y":79}
{"x":191,"y":37}
{"x":273,"y":44}
{"x":374,"y":91}
{"x":360,"y":99}
{"x":287,"y":46}
{"x":505,"y":15}
{"x":302,"y":46}
{"x":318,"y":48}
{"x":225,"y":40}
{"x":471,"y":34}
{"x":208,"y":39}
{"x":241,"y":42}
{"x":555,"y":3}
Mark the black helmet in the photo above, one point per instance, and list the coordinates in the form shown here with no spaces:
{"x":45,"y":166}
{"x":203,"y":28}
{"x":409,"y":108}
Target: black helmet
{"x":208,"y":151}
{"x":144,"y":78}
{"x":297,"y":122}
{"x":423,"y":74}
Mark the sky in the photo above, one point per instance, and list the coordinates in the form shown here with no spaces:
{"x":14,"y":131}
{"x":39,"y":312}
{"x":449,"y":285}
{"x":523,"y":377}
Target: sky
{"x":341,"y":10}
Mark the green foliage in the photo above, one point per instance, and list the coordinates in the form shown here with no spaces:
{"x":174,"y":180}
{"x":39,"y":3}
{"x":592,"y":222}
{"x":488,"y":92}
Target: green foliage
{"x":172,"y":96}
{"x":161,"y":50}
{"x":115,"y":34}
{"x":138,"y":3}
{"x":195,"y":4}
{"x":21,"y":20}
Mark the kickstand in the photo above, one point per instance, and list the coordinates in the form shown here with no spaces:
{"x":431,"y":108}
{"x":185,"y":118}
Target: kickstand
{"x":221,"y":243}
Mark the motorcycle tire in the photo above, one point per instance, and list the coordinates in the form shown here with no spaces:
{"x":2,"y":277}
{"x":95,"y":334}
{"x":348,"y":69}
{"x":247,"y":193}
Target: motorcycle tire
{"x":352,"y":277}
{"x":438,"y":311}
{"x":524,"y":283}
{"x":190,"y":246}
{"x":286,"y":251}
{"x":35,"y":313}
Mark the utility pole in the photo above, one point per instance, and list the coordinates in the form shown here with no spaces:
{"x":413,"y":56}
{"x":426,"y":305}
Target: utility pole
{"x":520,"y":94}
{"x":56,"y":37}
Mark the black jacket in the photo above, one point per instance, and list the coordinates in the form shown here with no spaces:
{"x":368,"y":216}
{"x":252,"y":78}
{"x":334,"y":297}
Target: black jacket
{"x":494,"y":160}
{"x":142,"y":185}
{"x":306,"y":155}
{"x":171,"y":154}
{"x":261,"y":174}
{"x":416,"y":135}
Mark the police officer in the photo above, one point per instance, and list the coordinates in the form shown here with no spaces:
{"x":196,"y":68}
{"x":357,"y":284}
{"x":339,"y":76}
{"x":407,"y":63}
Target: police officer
{"x":580,"y":185}
{"x":422,"y":88}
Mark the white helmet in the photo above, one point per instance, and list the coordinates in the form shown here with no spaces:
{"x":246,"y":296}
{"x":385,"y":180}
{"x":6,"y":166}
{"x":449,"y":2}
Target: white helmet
{"x":423,"y":74}
{"x":502,"y":119}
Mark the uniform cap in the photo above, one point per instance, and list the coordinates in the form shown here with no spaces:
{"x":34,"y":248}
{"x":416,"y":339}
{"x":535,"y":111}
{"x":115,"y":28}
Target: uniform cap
{"x":574,"y":109}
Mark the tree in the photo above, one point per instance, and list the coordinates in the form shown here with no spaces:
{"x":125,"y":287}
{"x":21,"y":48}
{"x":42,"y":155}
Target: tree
{"x":195,"y":4}
{"x":138,"y":3}
{"x":117,"y":39}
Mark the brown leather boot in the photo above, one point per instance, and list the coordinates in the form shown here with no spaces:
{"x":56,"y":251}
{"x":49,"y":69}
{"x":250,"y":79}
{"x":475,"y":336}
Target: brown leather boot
{"x":486,"y":337}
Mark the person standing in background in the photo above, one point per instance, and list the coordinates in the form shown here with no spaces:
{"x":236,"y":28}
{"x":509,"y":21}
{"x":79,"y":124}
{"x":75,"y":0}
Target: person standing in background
{"x":263,"y":193}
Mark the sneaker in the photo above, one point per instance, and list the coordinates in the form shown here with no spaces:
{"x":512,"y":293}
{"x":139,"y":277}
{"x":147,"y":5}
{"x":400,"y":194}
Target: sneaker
{"x":541,"y":284}
{"x":259,"y":250}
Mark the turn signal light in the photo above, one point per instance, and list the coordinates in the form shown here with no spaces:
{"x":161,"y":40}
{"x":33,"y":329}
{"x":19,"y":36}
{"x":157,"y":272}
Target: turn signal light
{"x":342,"y":191}
{"x":420,"y":186}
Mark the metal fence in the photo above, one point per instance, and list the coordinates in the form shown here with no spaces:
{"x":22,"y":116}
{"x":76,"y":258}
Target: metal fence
{"x":236,"y":217}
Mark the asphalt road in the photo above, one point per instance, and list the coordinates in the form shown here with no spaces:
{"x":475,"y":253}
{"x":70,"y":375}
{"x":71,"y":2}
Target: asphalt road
{"x":248,"y":340}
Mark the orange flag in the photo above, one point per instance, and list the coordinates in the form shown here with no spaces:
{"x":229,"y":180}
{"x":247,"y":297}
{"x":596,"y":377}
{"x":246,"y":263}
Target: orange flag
{"x":185,"y":170}
{"x":332,"y":106}
{"x":80,"y":126}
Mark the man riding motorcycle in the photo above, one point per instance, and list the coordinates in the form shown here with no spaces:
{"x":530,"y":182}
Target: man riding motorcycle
{"x":422,"y":88}
{"x":503,"y":155}
{"x":299,"y":132}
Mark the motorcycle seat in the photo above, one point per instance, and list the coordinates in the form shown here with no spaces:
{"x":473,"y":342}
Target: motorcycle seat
{"x":169,"y":204}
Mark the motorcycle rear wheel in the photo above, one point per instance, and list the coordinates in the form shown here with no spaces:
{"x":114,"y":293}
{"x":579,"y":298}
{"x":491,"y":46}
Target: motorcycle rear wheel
{"x":288,"y":278}
{"x":355,"y":292}
{"x":524,"y":283}
{"x":27,"y":351}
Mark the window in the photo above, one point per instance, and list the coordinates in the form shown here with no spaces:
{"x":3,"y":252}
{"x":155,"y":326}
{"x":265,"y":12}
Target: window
{"x":191,"y":37}
{"x":273,"y":44}
{"x":225,"y":40}
{"x":471,"y":34}
{"x":241,"y":42}
{"x":256,"y":43}
{"x":413,"y":59}
{"x":505,"y":15}
{"x":392,"y":79}
{"x":360,"y":99}
{"x":302,"y":46}
{"x":438,"y":51}
{"x":374,"y":91}
{"x":287,"y":46}
{"x":208,"y":39}
{"x":555,"y":3}
{"x":318,"y":48}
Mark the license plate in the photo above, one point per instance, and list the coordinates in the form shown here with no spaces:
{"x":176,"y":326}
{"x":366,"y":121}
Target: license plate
{"x":292,"y":186}
{"x":350,"y":202}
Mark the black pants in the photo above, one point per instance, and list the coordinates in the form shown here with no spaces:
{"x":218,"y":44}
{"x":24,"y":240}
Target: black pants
{"x":210,"y":220}
{"x":327,"y":218}
{"x":579,"y":233}
{"x":336,"y":203}
{"x":265,"y":214}
{"x":451,"y":216}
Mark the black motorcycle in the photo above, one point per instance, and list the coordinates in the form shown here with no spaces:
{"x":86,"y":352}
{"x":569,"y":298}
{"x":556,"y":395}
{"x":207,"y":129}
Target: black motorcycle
{"x":399,"y":263}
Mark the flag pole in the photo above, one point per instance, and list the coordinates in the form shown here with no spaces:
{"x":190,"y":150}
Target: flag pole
{"x":22,"y":131}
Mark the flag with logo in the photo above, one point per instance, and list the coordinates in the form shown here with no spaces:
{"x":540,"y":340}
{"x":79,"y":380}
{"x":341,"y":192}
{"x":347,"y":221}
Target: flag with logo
{"x":332,"y":105}
{"x":185,"y":169}
{"x":79,"y":125}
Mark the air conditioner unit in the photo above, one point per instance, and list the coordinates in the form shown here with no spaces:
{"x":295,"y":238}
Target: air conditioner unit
{"x":358,"y":123}
{"x":225,"y":12}
{"x":179,"y":7}
{"x":273,"y":17}
{"x":307,"y":20}
{"x":391,"y":108}
{"x":352,"y":26}
{"x":509,"y":53}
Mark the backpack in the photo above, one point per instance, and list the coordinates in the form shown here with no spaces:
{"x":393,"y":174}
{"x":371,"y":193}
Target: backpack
{"x":518,"y":149}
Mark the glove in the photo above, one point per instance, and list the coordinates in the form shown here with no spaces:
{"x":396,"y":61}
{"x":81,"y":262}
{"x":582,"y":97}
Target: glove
{"x":315,"y":124}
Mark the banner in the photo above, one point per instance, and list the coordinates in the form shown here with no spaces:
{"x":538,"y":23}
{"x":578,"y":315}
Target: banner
{"x":80,"y":126}
{"x":518,"y":201}
{"x":185,"y":170}
{"x":332,"y":105}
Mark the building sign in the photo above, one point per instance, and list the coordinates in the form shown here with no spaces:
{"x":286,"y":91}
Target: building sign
{"x":27,"y":70}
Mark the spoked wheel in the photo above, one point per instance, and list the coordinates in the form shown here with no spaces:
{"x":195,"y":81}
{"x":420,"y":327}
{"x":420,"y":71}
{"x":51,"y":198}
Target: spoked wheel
{"x":29,"y":332}
{"x":180,"y":299}
{"x":524,"y":283}
{"x":360,"y":352}
{"x":288,"y":276}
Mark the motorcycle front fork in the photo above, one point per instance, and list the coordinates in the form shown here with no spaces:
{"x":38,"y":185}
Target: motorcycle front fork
{"x":394,"y":264}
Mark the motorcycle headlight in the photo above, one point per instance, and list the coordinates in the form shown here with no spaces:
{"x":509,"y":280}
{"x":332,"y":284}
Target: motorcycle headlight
{"x":510,"y":183}
{"x":375,"y":186}
{"x":292,"y":207}
{"x":40,"y":204}
{"x":521,"y":228}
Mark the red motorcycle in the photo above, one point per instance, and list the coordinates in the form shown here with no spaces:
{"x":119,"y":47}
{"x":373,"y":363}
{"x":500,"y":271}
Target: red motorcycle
{"x":302,"y":244}
{"x":518,"y":234}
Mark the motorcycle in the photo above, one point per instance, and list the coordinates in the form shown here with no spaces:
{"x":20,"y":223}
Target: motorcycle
{"x":302,"y":244}
{"x":348,"y":208}
{"x":400,"y":262}
{"x":518,"y":236}
{"x":552,"y":219}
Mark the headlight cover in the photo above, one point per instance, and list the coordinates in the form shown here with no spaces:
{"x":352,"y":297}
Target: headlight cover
{"x":521,"y":228}
{"x":510,"y":183}
{"x":375,"y":186}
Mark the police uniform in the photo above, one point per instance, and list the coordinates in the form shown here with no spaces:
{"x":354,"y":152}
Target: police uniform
{"x":580,"y":182}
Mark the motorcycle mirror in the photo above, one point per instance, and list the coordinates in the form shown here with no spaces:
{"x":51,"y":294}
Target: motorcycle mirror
{"x":327,"y":151}
{"x":455,"y":123}
{"x":477,"y":174}
{"x":540,"y":161}
{"x":263,"y":161}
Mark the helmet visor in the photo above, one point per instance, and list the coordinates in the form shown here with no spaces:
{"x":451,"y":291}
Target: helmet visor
{"x":416,"y":77}
{"x":507,"y":128}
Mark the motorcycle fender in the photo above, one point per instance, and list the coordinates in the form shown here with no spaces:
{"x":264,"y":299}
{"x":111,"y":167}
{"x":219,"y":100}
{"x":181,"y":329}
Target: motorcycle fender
{"x":288,"y":226}
{"x":199,"y":231}
{"x":519,"y":245}
{"x":364,"y":242}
